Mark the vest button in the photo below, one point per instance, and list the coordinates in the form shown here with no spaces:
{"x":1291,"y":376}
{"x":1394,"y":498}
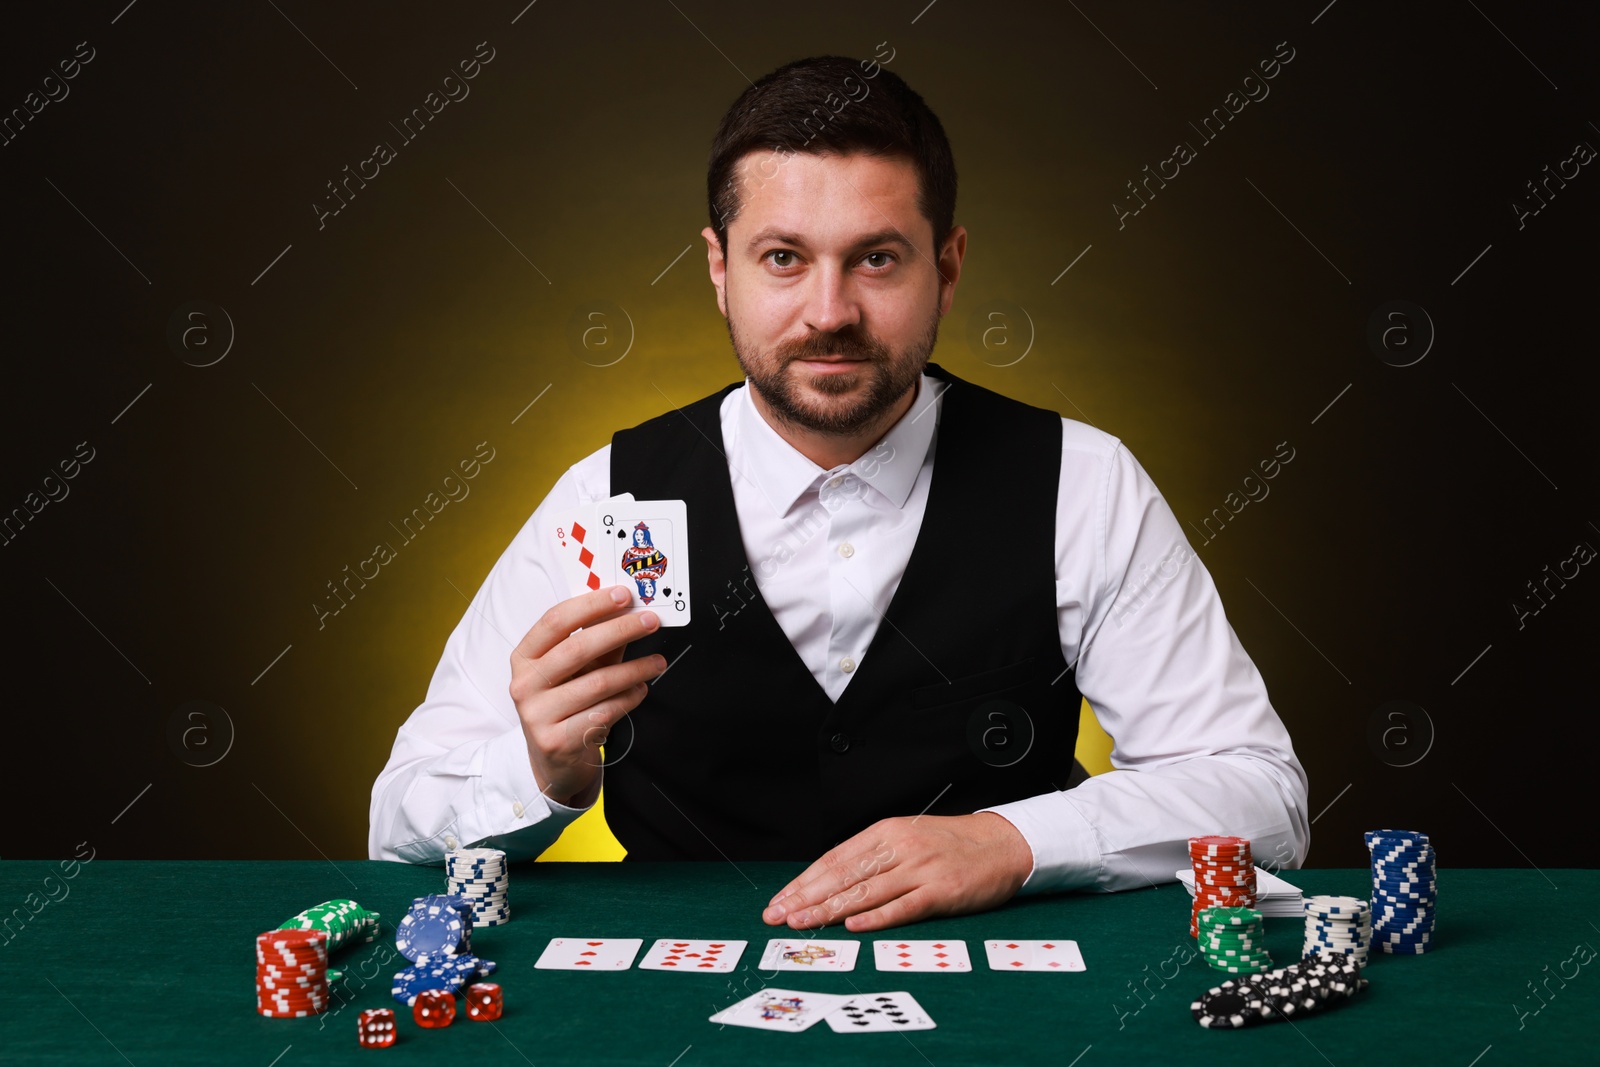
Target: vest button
{"x":839,"y":742}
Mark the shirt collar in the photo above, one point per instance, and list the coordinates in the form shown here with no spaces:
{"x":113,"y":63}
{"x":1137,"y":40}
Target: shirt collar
{"x":890,"y":467}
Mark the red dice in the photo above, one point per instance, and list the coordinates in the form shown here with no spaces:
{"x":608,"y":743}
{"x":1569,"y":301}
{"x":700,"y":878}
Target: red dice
{"x":375,"y":1028}
{"x":484,"y":1002}
{"x":434,"y":1008}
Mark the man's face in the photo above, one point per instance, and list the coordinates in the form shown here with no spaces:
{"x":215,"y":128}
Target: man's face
{"x":830,"y":286}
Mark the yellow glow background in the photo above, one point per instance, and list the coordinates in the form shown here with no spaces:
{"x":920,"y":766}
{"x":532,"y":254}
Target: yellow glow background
{"x":375,"y":352}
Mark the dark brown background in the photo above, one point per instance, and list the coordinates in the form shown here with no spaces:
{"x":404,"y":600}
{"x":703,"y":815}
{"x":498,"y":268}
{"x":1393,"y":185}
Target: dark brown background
{"x":416,"y":324}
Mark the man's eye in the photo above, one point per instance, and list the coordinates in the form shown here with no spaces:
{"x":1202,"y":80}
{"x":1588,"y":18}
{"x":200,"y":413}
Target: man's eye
{"x":775,"y":253}
{"x":884,"y":256}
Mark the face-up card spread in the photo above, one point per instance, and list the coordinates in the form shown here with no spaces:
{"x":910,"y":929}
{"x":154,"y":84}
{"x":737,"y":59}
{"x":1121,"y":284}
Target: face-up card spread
{"x":785,"y":1010}
{"x":935,"y":956}
{"x":685,"y":954}
{"x":1018,"y":955}
{"x":808,"y":955}
{"x":589,"y":954}
{"x":876,"y":1013}
{"x":640,"y":544}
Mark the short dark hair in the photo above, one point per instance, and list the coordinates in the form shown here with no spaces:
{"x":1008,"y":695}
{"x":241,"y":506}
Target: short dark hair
{"x":832,"y":104}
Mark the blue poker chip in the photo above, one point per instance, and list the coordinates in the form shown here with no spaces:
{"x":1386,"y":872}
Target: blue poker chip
{"x":414,"y":979}
{"x":1417,"y":937}
{"x":428,"y":929}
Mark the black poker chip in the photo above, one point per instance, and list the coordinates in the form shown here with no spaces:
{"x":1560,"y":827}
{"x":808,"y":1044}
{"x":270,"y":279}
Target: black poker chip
{"x":1233,"y":1008}
{"x":1299,"y":989}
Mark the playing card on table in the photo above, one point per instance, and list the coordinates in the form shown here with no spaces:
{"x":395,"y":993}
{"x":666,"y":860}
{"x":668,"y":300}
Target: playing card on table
{"x":875,"y":1013}
{"x":589,"y":954}
{"x":644,"y":545}
{"x":809,"y":955}
{"x":686,"y":954}
{"x":786,"y":1010}
{"x":1020,"y":955}
{"x":922,"y":956}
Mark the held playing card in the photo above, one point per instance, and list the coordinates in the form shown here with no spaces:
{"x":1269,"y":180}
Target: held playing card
{"x":644,"y":545}
{"x":934,"y":956}
{"x":784,"y":954}
{"x":1018,"y":955}
{"x":582,"y":546}
{"x":876,"y":1013}
{"x":589,"y":954}
{"x":786,"y":1010}
{"x":686,"y":954}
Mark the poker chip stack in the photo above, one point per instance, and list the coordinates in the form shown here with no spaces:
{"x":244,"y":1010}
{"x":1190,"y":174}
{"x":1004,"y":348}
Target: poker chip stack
{"x":1224,"y":875}
{"x":1338,"y":924}
{"x":1404,"y":891}
{"x":1311,"y":985}
{"x":291,"y":973}
{"x":344,"y":921}
{"x":1232,"y":940}
{"x":436,"y":936}
{"x":480,"y":875}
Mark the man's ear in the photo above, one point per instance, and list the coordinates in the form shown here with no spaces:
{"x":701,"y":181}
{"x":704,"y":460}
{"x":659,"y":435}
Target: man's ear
{"x":952,"y":253}
{"x":718,"y":266}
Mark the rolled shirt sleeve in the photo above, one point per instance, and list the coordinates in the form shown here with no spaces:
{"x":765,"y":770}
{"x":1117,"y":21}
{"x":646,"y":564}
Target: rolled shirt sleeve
{"x":1198,"y":747}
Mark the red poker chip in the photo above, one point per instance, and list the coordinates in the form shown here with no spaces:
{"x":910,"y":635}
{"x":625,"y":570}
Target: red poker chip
{"x":320,"y":984}
{"x":292,"y":938}
{"x":292,"y":992}
{"x":263,"y":981}
{"x":293,"y":1005}
{"x":279,"y":955}
{"x":298,"y":1004}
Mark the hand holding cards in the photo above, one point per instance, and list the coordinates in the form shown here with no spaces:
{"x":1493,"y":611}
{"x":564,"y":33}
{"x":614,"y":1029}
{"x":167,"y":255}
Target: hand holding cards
{"x":643,"y":545}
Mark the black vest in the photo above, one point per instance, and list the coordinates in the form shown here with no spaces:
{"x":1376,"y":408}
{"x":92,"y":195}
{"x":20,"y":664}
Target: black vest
{"x":961,"y":701}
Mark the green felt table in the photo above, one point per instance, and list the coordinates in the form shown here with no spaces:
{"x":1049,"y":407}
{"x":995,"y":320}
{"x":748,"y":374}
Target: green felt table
{"x":152,"y":963}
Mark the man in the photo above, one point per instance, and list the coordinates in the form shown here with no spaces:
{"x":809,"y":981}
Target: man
{"x":902,"y":582}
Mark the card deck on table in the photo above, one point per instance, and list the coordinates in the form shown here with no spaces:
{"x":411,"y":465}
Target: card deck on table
{"x":1021,"y":955}
{"x":686,"y":954}
{"x":641,"y":544}
{"x":785,"y":1010}
{"x":809,"y":955}
{"x":589,"y":954}
{"x":876,"y":1013}
{"x":922,"y":956}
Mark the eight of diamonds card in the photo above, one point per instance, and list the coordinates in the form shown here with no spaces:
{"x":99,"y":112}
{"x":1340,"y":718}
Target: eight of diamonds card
{"x":589,"y":954}
{"x":814,"y":956}
{"x":922,"y":956}
{"x":1034,"y":955}
{"x":875,"y":1013}
{"x":644,"y":544}
{"x":785,"y":1010}
{"x":579,"y":542}
{"x":689,"y":955}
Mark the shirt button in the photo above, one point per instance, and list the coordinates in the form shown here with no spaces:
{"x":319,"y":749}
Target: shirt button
{"x":847,"y":665}
{"x":847,"y":550}
{"x":450,"y":842}
{"x":834,"y":483}
{"x":839,"y":742}
{"x":517,"y":808}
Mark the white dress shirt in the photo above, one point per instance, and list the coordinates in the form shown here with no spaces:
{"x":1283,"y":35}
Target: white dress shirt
{"x":1198,"y":747}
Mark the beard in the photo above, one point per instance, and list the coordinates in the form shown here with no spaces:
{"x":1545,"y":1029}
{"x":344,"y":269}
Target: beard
{"x":789,"y":389}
